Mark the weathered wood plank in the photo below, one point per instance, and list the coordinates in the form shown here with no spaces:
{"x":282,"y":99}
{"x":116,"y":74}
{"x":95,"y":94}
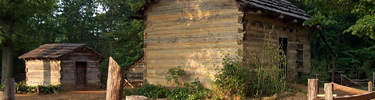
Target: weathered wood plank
{"x":195,"y":31}
{"x":194,"y":26}
{"x":179,"y":19}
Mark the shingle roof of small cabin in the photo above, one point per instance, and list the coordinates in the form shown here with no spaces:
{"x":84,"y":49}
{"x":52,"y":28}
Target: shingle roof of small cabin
{"x":54,"y":51}
{"x":279,"y":6}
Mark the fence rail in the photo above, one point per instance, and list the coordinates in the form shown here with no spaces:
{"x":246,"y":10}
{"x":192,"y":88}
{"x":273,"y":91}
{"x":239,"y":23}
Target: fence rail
{"x":313,"y":90}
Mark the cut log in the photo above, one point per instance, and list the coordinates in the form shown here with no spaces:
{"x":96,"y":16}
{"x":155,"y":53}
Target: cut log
{"x":115,"y":81}
{"x":348,"y":89}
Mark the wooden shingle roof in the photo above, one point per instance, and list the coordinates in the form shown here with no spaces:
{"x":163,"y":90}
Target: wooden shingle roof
{"x":280,"y":6}
{"x":54,"y":51}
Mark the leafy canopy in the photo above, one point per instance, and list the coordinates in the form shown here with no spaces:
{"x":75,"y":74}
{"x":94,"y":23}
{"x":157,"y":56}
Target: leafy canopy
{"x":326,"y":11}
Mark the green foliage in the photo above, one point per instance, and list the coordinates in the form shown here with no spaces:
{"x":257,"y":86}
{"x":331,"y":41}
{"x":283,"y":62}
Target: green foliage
{"x":261,"y":75}
{"x":189,"y":91}
{"x":327,"y":12}
{"x":232,"y":80}
{"x":152,"y":91}
{"x":192,"y":91}
{"x":337,"y":17}
{"x":80,"y":21}
{"x":22,"y":88}
{"x":174,"y":74}
{"x":127,"y":92}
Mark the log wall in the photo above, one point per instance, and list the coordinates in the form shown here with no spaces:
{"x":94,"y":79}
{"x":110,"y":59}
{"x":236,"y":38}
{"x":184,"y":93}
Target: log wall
{"x":258,"y":26}
{"x":42,"y":72}
{"x":135,"y":72}
{"x":193,"y":34}
{"x":68,"y":65}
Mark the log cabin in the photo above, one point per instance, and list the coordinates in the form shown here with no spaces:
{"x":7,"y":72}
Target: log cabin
{"x":74,"y":66}
{"x":197,"y":34}
{"x":134,"y":72}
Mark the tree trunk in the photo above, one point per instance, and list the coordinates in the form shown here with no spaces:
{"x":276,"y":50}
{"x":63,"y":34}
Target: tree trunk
{"x":7,"y":48}
{"x":7,"y":58}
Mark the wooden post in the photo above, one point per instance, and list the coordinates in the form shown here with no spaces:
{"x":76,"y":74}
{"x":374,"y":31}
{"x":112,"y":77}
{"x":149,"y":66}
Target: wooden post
{"x":37,"y":89}
{"x":328,"y":91}
{"x":9,"y":89}
{"x":341,"y":78}
{"x":115,"y":81}
{"x":333,"y":68}
{"x":370,"y":86}
{"x":373,"y":77}
{"x":313,"y":89}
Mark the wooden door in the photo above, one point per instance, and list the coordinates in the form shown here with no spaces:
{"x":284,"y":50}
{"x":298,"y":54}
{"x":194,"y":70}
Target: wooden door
{"x":80,"y":73}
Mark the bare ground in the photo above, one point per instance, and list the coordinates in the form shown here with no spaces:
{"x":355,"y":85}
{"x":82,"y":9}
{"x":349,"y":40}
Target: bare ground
{"x":100,"y":95}
{"x":67,"y":95}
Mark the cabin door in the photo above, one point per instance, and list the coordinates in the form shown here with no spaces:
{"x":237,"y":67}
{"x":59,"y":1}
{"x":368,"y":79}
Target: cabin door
{"x":283,"y":46}
{"x":80,"y":73}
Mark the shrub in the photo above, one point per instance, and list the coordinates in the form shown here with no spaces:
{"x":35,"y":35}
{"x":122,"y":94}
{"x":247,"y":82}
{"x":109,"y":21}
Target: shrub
{"x":152,"y":91}
{"x":192,"y":91}
{"x":127,"y":92}
{"x":232,"y":80}
{"x":189,"y":91}
{"x":266,"y":76}
{"x":22,"y":88}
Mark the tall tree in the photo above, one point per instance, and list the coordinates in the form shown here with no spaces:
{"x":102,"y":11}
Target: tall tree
{"x":11,"y":15}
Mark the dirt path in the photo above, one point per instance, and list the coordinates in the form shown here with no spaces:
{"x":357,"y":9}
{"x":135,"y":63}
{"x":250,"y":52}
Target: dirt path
{"x":69,"y":95}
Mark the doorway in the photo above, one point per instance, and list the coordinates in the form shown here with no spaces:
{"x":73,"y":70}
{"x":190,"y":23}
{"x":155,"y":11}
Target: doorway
{"x":80,"y":74}
{"x":283,"y":46}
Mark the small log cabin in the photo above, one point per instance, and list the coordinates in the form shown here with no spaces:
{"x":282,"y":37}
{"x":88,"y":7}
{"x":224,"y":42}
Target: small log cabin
{"x":195,"y":34}
{"x":134,"y":73}
{"x":74,"y":66}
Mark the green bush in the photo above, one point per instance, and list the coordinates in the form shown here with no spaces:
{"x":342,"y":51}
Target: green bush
{"x":189,"y":91}
{"x":152,"y":91}
{"x":232,"y":80}
{"x":22,"y":88}
{"x":127,"y":92}
{"x":263,"y":74}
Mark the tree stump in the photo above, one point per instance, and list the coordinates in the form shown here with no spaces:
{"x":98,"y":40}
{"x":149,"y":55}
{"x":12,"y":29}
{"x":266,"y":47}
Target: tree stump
{"x":115,"y":81}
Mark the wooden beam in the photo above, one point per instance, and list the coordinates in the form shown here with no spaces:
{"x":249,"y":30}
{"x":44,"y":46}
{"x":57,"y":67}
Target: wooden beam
{"x":365,"y":96}
{"x":323,"y":95}
{"x":348,"y":89}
